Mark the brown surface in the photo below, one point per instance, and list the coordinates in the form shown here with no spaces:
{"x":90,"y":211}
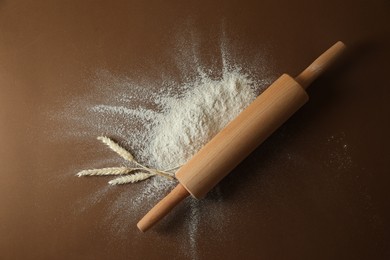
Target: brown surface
{"x":317,"y":189}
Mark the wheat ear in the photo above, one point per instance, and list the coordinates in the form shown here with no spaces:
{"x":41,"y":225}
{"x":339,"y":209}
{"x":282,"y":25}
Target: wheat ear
{"x":136,"y":177}
{"x":117,"y":148}
{"x":106,"y":171}
{"x":127,"y":156}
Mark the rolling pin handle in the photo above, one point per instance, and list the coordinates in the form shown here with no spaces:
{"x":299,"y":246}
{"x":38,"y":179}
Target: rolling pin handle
{"x":320,"y":64}
{"x":162,"y":208}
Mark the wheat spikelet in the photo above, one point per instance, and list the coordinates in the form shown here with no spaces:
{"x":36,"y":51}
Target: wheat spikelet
{"x":136,"y":177}
{"x":117,"y":148}
{"x":105,"y":171}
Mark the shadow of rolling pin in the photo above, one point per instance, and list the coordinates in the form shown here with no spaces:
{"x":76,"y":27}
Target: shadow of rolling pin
{"x":241,"y":136}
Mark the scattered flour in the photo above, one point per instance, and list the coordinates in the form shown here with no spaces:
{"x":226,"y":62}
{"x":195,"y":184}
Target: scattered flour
{"x":182,"y":124}
{"x":339,"y":157}
{"x":163,"y":124}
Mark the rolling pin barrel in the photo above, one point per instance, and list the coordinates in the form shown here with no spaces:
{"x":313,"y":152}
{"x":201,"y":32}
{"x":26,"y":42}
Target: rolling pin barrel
{"x":241,"y":136}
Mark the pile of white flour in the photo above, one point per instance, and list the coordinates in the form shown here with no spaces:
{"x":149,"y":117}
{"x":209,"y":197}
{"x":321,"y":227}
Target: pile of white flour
{"x":186,"y":124}
{"x":180,"y":124}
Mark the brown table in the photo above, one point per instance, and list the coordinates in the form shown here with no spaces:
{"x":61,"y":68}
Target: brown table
{"x":317,"y":189}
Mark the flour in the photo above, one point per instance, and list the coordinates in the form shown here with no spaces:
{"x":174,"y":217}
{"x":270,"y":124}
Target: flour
{"x":180,"y":125}
{"x":163,"y":123}
{"x":188,"y":123}
{"x":169,"y":134}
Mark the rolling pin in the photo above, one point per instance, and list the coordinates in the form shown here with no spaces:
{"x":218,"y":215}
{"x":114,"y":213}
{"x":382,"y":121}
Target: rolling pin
{"x":241,"y":136}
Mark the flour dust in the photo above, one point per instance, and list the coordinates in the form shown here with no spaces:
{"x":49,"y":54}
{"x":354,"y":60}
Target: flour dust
{"x":163,"y":123}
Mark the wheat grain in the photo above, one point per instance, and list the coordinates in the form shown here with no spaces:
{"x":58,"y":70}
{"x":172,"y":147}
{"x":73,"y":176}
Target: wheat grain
{"x":117,"y":148}
{"x":106,"y":171}
{"x":136,"y":177}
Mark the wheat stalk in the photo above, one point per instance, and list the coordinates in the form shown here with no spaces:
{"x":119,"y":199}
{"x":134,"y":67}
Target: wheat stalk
{"x":136,"y":177}
{"x":106,"y":171}
{"x":172,"y":168}
{"x":117,"y":148}
{"x":127,"y":156}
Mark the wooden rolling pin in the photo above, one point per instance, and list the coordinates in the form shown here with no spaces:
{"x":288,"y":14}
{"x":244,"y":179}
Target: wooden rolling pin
{"x":241,"y":136}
